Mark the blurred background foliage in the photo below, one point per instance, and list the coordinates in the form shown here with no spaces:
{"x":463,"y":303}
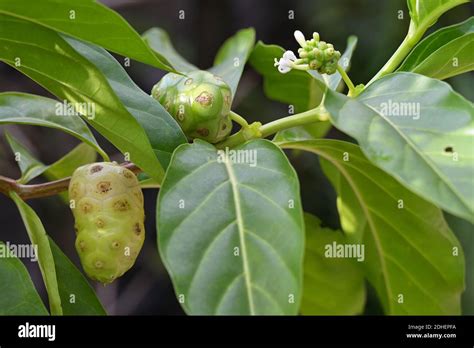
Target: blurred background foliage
{"x":380,"y":27}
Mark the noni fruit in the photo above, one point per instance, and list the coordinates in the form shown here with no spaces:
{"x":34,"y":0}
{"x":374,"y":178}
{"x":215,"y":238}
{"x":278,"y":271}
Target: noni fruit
{"x":107,"y":204}
{"x":200,"y":102}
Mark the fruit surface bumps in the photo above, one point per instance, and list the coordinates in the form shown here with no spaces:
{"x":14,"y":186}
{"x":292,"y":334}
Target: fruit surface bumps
{"x":200,"y":102}
{"x":107,"y":204}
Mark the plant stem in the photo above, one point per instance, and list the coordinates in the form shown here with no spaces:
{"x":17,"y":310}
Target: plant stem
{"x":346,"y":79}
{"x":47,"y":189}
{"x":411,"y":39}
{"x":256,"y":130}
{"x":238,"y":119}
{"x":303,"y":118}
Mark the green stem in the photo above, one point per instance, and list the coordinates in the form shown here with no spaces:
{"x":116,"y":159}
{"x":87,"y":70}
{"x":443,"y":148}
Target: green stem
{"x":411,"y":39}
{"x":238,"y":119}
{"x":256,"y":130}
{"x":301,"y":119}
{"x":346,"y":79}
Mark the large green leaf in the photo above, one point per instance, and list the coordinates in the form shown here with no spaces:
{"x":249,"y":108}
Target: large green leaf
{"x":30,"y":167}
{"x":230,"y":60}
{"x":418,"y":130}
{"x":87,"y":20}
{"x":160,"y":42}
{"x":231,"y":233}
{"x":77,"y":296}
{"x":38,"y":237}
{"x":22,"y":108}
{"x":19,"y":296}
{"x":332,"y":286}
{"x":425,"y":13}
{"x":463,"y":231}
{"x":412,"y":258}
{"x":49,"y":60}
{"x":445,"y":53}
{"x":161,"y":128}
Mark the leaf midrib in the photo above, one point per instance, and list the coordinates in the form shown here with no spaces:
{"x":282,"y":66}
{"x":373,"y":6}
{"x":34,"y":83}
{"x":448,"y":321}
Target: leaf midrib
{"x":420,"y":153}
{"x":240,"y":226}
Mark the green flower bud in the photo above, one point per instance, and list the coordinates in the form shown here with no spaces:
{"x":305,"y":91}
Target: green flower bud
{"x":200,"y":102}
{"x":319,"y":55}
{"x":109,"y":219}
{"x":315,"y":64}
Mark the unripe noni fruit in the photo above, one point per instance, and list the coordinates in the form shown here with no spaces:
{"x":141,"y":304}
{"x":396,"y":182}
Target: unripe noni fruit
{"x":200,"y":102}
{"x":107,"y":204}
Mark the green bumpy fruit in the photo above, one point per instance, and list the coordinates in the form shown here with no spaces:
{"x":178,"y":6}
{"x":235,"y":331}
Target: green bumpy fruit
{"x":109,"y":219}
{"x":200,"y":102}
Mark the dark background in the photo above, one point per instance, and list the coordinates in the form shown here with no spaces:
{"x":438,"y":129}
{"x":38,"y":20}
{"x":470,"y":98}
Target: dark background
{"x":146,"y":289}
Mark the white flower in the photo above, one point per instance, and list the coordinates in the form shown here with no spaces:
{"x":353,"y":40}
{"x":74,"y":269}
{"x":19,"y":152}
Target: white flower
{"x":285,"y":64}
{"x":300,"y":38}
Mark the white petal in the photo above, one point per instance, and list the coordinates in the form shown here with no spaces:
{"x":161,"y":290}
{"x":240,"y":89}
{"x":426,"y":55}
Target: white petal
{"x":284,"y":69}
{"x":289,"y":55}
{"x":300,"y":38}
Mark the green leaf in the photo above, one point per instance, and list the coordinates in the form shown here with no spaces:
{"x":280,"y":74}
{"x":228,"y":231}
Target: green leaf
{"x":409,"y":248}
{"x":446,"y":52}
{"x":247,"y":258}
{"x":401,"y":124}
{"x":315,"y":130}
{"x":87,"y":20}
{"x":49,"y":60}
{"x":332,"y":286}
{"x":22,"y":108}
{"x":38,"y":237}
{"x":66,"y":165}
{"x":463,"y":231}
{"x":159,"y":40}
{"x":160,"y":127}
{"x":230,"y":60}
{"x":30,"y":167}
{"x":77,"y":296}
{"x":425,"y":13}
{"x":19,"y":296}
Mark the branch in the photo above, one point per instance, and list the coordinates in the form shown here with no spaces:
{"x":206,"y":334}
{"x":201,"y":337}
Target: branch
{"x":257,"y":130}
{"x":47,"y":189}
